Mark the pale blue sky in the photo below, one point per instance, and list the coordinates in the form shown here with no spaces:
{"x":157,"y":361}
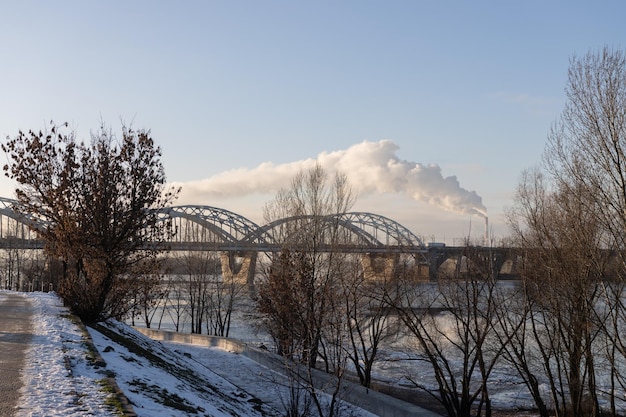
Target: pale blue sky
{"x":470,"y":86}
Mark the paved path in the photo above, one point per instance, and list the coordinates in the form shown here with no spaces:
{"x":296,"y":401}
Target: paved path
{"x":15,"y":335}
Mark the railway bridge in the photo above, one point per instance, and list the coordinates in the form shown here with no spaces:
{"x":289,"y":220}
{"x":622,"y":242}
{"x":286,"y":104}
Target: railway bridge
{"x":381,"y":243}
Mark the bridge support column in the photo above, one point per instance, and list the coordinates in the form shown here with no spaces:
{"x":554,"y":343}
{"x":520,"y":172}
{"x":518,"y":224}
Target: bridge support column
{"x":510,"y":267}
{"x":436,"y":257}
{"x":379,"y":267}
{"x":238,"y":267}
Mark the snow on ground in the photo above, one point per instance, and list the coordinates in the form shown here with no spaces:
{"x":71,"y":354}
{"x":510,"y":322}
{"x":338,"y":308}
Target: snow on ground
{"x":160,"y":382}
{"x":58,"y":379}
{"x":398,"y":362}
{"x":61,"y":379}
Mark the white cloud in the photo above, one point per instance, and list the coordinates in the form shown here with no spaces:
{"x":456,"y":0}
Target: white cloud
{"x":371,"y":167}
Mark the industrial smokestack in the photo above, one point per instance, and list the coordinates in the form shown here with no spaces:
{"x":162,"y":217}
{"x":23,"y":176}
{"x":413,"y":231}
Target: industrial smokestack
{"x":486,"y":231}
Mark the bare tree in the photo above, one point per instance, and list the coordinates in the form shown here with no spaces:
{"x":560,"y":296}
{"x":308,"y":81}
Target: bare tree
{"x":282,"y":301}
{"x":565,"y":263}
{"x":201,"y":271}
{"x":366,"y":315}
{"x":309,"y":266}
{"x":453,"y":325}
{"x":96,"y":205}
{"x":34,"y":273}
{"x":572,"y":225}
{"x":13,"y":259}
{"x":586,"y":151}
{"x":14,"y":256}
{"x":513,"y":331}
{"x":224,"y":295}
{"x":148,"y":291}
{"x":586,"y":154}
{"x":300,"y":297}
{"x":614,"y":312}
{"x":175,"y":305}
{"x":208,"y":298}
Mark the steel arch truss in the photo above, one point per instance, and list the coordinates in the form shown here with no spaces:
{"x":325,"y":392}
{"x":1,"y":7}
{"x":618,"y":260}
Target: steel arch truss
{"x":14,"y":223}
{"x":387,"y":232}
{"x":201,"y":224}
{"x":361,"y":231}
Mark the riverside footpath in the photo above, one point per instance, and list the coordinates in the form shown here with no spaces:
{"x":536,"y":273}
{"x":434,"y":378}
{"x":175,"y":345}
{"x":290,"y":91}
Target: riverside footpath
{"x":16,"y":333}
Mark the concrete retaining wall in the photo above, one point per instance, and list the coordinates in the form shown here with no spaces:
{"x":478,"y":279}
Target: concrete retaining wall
{"x":372,"y":401}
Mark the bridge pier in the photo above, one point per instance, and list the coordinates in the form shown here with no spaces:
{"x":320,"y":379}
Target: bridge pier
{"x":498,"y":262}
{"x":510,"y":267}
{"x":379,"y":266}
{"x":238,"y":267}
{"x":436,"y":257}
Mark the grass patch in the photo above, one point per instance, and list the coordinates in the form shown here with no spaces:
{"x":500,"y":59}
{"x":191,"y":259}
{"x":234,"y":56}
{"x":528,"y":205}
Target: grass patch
{"x":155,"y":356}
{"x":133,"y":347}
{"x":166,"y":398}
{"x":112,"y":400}
{"x":91,"y":353}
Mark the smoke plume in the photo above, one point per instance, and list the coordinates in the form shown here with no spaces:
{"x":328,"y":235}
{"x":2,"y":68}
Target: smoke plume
{"x":371,"y":167}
